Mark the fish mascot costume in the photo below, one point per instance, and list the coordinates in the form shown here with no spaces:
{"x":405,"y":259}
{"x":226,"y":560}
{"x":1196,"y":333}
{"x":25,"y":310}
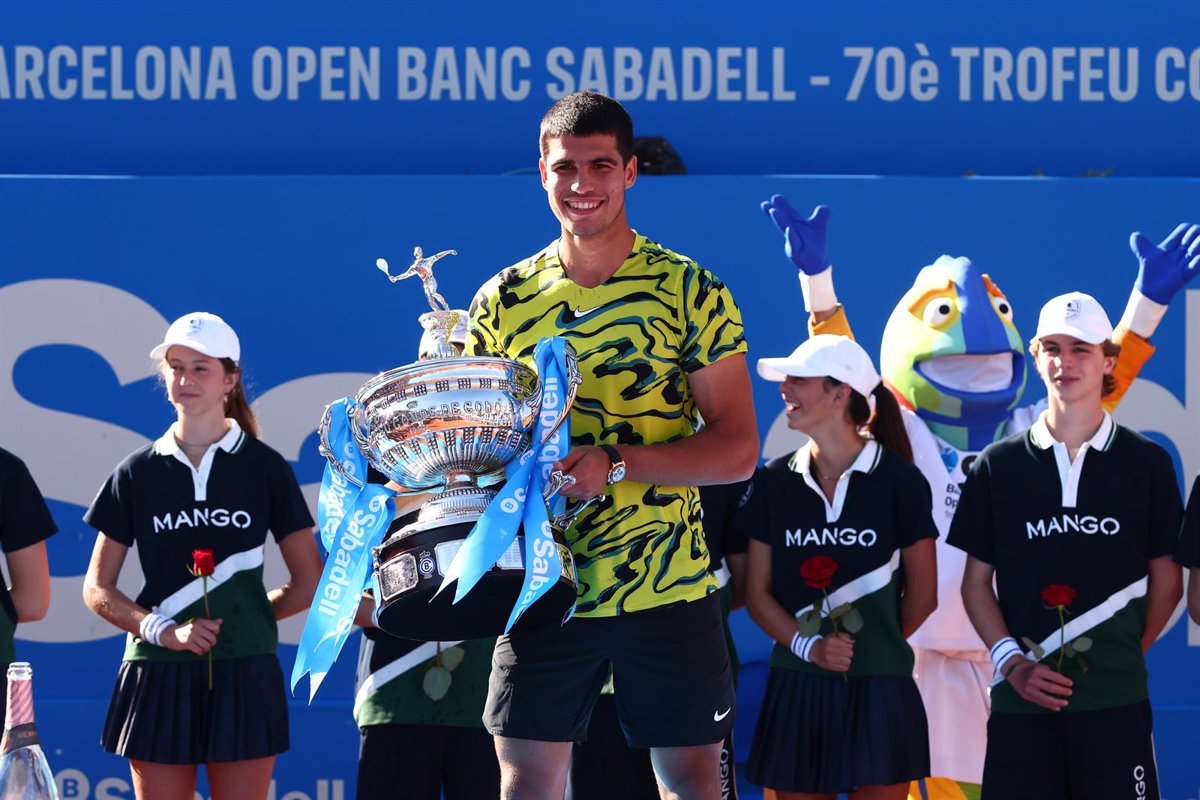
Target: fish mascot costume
{"x":954,"y":359}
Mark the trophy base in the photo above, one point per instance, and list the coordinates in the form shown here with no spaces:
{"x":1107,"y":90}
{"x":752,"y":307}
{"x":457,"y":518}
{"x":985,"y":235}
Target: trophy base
{"x":409,"y":568}
{"x":455,"y":506}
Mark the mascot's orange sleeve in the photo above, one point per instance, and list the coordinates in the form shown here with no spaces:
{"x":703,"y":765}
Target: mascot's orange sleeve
{"x":1135,"y":351}
{"x":837,"y":324}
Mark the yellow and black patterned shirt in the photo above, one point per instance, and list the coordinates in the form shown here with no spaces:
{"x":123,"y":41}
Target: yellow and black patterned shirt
{"x":638,"y":336}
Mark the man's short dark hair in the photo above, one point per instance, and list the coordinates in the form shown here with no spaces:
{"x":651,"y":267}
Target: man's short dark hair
{"x":585,"y":114}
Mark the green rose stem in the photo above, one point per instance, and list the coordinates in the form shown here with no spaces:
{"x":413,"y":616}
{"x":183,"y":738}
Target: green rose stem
{"x":202,"y":567}
{"x":832,"y":619}
{"x":1062,"y":635}
{"x":207,"y":613}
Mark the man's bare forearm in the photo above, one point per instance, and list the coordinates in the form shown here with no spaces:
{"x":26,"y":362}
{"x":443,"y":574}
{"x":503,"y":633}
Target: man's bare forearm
{"x":719,"y":453}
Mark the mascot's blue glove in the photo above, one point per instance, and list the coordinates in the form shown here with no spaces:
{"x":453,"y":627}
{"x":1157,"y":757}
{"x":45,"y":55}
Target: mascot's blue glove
{"x":804,"y":239}
{"x":1166,"y":268}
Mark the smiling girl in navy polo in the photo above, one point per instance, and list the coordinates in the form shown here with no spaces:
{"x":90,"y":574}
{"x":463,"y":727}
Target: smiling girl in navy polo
{"x":200,"y":682}
{"x":844,"y":520}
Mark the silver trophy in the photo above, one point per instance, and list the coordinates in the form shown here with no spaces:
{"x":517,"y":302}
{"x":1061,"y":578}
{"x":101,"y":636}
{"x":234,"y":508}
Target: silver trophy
{"x":447,"y":426}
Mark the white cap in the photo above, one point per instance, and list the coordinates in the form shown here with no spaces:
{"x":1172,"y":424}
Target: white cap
{"x":825,"y":355}
{"x":1074,"y":314}
{"x":203,"y":332}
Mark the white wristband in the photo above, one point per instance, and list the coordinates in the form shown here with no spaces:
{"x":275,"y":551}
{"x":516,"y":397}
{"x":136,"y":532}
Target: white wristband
{"x":1004,"y":650}
{"x":152,"y":626}
{"x":802,"y":646}
{"x":1142,"y":315}
{"x":818,"y":290}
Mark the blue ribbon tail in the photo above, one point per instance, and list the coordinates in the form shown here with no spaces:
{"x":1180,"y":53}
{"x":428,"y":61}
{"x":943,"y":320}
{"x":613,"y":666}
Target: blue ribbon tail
{"x":299,"y":670}
{"x":347,"y":571}
{"x":493,"y":533}
{"x":543,"y":565}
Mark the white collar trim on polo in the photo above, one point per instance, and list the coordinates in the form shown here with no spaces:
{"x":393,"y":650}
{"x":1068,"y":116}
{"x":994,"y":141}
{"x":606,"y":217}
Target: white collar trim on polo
{"x":867,"y":461}
{"x":1069,"y":471}
{"x":168,"y":445}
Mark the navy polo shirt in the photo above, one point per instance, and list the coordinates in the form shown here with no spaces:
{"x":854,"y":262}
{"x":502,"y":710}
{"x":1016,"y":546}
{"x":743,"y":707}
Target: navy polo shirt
{"x":1094,"y":525}
{"x":24,"y":520}
{"x":881,"y":506}
{"x":159,"y":501}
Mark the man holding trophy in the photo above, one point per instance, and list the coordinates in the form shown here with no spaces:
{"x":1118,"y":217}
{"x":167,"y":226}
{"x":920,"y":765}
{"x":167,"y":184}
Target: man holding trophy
{"x":660,"y":347}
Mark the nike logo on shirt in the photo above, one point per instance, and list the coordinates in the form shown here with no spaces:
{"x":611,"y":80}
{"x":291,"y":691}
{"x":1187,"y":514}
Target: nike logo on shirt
{"x":580,"y":313}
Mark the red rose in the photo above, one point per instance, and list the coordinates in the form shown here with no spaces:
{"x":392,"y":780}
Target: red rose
{"x":202,"y":562}
{"x":817,"y":571}
{"x":1058,"y":594}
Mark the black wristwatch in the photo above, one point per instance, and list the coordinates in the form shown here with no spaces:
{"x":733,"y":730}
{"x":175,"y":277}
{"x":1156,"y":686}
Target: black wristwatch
{"x":616,"y":472}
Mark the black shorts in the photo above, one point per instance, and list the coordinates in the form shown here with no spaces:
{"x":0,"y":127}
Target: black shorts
{"x":1086,"y":755}
{"x":605,"y":767}
{"x":827,"y":734}
{"x":427,"y":762}
{"x":671,"y":677}
{"x":164,"y":712}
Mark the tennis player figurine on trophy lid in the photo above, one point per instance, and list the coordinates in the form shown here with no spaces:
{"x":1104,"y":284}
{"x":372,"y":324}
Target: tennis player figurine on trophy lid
{"x":470,"y":441}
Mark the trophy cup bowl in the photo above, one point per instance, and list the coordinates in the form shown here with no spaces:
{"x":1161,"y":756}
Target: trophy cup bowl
{"x":447,"y":426}
{"x":448,"y":423}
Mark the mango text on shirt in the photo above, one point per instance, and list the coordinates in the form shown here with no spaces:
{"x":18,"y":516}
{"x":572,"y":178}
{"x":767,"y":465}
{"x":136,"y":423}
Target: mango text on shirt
{"x":216,"y":517}
{"x":846,"y":536}
{"x":1073,"y":523}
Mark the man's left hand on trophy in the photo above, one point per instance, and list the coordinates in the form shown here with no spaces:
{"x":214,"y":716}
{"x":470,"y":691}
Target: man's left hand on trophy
{"x":589,"y":466}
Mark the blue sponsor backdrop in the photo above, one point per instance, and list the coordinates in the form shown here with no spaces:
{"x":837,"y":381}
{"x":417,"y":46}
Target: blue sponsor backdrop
{"x":374,"y":87}
{"x":92,"y":270}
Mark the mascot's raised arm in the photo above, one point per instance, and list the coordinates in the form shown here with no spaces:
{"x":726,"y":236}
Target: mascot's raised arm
{"x":954,"y":359}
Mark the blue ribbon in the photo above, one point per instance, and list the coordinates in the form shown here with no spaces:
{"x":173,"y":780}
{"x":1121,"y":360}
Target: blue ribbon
{"x":352,"y":520}
{"x":519,"y":501}
{"x":337,"y":493}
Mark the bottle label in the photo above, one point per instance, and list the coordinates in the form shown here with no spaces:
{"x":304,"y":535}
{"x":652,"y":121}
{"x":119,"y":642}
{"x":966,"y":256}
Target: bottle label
{"x":17,"y":737}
